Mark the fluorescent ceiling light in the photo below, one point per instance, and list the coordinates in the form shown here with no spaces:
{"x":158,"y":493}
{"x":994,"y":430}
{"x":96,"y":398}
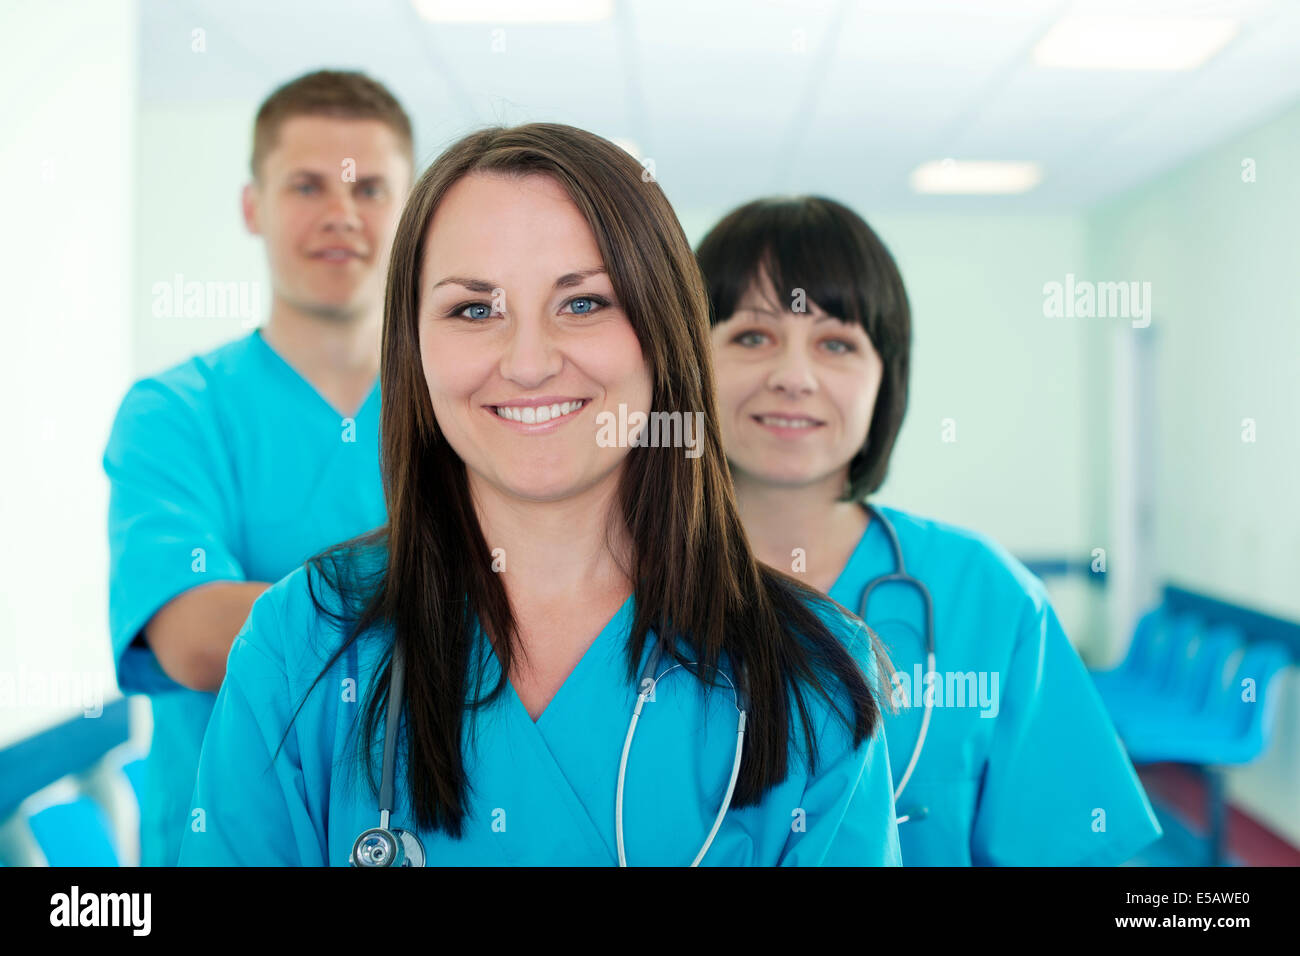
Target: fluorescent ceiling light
{"x":955,"y":177}
{"x":1133,"y":43}
{"x":513,"y":11}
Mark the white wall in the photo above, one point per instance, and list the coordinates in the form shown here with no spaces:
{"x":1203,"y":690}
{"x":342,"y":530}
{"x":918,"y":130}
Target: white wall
{"x":68,"y":75}
{"x":192,"y":165}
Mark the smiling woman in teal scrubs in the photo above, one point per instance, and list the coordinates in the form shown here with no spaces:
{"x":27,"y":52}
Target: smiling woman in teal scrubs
{"x":531,"y":571}
{"x":1019,"y":763}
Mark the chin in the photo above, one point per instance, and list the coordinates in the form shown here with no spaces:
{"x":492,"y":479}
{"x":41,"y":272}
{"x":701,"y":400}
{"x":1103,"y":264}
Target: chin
{"x":543,"y":492}
{"x":793,"y":474}
{"x":343,"y":307}
{"x":529,"y":485}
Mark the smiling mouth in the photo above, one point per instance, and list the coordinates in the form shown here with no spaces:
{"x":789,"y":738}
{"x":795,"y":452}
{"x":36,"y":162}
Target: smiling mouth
{"x":538,"y":414}
{"x":779,"y":421}
{"x":336,"y":255}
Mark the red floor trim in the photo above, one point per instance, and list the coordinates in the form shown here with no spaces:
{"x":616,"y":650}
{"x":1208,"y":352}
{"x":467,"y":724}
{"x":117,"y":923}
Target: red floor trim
{"x":1182,"y":790}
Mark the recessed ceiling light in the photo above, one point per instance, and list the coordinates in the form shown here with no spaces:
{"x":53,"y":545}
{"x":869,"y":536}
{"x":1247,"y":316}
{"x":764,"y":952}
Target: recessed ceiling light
{"x":978,"y":177}
{"x":1133,"y":43}
{"x":513,"y":11}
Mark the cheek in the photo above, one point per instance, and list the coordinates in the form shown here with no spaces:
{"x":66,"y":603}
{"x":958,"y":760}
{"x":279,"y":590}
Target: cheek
{"x":860,"y":400}
{"x":448,"y":379}
{"x":732,"y":386}
{"x":851,"y":393}
{"x":288,"y":219}
{"x":735,"y":380}
{"x":382,"y":221}
{"x":288,"y":230}
{"x":614,"y":358}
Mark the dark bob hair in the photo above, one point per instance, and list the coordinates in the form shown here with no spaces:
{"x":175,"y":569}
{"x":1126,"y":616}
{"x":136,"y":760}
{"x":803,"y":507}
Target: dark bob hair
{"x":827,"y":250}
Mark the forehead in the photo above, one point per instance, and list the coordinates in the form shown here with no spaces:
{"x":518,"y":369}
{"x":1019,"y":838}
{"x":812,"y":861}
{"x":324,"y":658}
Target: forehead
{"x":321,"y":143}
{"x":489,"y":222}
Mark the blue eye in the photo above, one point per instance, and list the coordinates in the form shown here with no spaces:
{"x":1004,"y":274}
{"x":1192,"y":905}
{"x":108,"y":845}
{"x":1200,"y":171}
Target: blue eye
{"x":848,"y":346}
{"x":486,"y":310}
{"x":373,"y":190}
{"x":594,"y":303}
{"x":744,"y":338}
{"x":303,"y":187}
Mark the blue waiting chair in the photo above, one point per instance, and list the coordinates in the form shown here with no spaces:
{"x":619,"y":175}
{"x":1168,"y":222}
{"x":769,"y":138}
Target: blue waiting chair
{"x":76,"y":833}
{"x":1233,"y":722}
{"x":1151,"y":670}
{"x":1199,"y":662}
{"x":1196,"y":696}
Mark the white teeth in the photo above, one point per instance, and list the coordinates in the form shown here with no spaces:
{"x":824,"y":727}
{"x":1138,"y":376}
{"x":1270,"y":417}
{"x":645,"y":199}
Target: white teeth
{"x":786,"y":422}
{"x":536,"y":414}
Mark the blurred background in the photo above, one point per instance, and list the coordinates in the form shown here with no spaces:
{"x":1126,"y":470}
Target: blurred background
{"x":1001,"y":148}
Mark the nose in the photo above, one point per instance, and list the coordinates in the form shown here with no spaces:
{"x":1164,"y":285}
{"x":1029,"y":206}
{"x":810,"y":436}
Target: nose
{"x":341,"y":212}
{"x":530,"y":356}
{"x":793,"y":372}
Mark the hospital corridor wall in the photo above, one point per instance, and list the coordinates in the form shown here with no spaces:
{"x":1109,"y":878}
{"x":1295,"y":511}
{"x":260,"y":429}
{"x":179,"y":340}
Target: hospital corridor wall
{"x":1216,"y":238}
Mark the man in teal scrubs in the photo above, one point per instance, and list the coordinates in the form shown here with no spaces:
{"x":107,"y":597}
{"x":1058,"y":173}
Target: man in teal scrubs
{"x":231,"y":469}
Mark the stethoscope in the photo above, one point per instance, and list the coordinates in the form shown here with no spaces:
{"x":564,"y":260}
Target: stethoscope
{"x":382,"y":846}
{"x":900,"y":576}
{"x":648,"y":685}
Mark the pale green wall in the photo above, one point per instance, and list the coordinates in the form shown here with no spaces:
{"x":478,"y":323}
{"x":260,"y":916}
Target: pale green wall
{"x":1223,"y":257}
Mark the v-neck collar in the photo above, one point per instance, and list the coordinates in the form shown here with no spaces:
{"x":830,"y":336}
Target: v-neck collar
{"x":281,"y":362}
{"x":870,"y":557}
{"x":859,"y":551}
{"x":532,"y":742}
{"x":603,"y":648}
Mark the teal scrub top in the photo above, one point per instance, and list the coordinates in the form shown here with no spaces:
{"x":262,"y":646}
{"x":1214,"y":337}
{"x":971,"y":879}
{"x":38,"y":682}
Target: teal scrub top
{"x":541,"y":793}
{"x":227,"y":467}
{"x":1027,"y":771}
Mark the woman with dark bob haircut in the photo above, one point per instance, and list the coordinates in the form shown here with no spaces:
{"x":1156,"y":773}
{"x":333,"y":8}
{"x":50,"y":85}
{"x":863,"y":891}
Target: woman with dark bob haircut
{"x":1002,"y":751}
{"x":563,"y":550}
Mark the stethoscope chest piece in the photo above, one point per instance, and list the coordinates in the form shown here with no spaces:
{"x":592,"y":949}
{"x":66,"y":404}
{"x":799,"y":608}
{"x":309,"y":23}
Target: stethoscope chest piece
{"x":382,"y":847}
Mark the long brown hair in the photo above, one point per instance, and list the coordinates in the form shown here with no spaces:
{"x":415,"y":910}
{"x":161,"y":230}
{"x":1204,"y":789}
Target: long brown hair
{"x":694,"y":575}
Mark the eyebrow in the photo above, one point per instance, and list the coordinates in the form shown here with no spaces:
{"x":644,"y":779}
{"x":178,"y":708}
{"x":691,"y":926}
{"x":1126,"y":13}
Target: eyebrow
{"x":566,"y":281}
{"x":313,"y":174}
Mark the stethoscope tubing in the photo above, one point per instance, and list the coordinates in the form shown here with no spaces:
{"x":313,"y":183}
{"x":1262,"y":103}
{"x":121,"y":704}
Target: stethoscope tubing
{"x":900,"y":576}
{"x":648,"y":686}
